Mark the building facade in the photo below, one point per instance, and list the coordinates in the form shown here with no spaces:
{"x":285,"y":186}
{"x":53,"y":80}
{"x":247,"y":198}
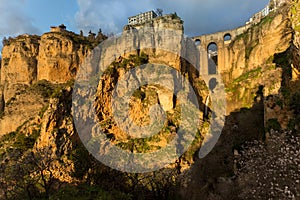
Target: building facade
{"x":273,"y":5}
{"x":141,"y":18}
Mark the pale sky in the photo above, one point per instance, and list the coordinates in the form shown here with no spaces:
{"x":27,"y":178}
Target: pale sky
{"x":199,"y":16}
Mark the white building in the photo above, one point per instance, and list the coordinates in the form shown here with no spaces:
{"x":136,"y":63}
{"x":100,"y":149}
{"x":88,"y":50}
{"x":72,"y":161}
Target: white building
{"x":141,"y":18}
{"x":273,"y":5}
{"x":265,"y":11}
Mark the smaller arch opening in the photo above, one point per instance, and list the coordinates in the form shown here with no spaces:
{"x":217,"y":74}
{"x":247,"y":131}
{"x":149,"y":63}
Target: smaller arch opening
{"x":197,"y":42}
{"x":227,"y":37}
{"x":212,"y":55}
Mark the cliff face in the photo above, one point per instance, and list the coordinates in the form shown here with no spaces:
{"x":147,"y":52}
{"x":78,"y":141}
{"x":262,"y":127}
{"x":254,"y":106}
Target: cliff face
{"x":24,"y":105}
{"x":251,"y":57}
{"x":56,"y":56}
{"x":28,"y":60}
{"x":261,"y":75}
{"x":254,"y":47}
{"x":53,"y":56}
{"x":150,"y":44}
{"x":59,"y":57}
{"x":264,"y":59}
{"x":262,"y":84}
{"x":19,"y":63}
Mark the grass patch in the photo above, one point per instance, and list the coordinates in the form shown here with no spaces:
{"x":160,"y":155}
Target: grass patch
{"x":297,"y":28}
{"x":132,"y":61}
{"x":235,"y":84}
{"x":7,"y":137}
{"x":270,"y":60}
{"x":250,"y":74}
{"x":50,"y":90}
{"x":268,"y":19}
{"x":23,"y":142}
{"x":45,"y":88}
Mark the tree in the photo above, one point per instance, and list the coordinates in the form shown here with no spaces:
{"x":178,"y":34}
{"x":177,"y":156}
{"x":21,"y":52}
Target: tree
{"x":43,"y":164}
{"x":29,"y":175}
{"x":15,"y":179}
{"x":5,"y":41}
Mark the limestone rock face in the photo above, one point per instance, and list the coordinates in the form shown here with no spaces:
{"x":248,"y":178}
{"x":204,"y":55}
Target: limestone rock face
{"x":166,"y":99}
{"x":19,"y":64}
{"x":161,"y":39}
{"x":170,"y":21}
{"x":23,"y":106}
{"x":250,"y":63}
{"x":53,"y":56}
{"x":20,"y":60}
{"x":257,"y":45}
{"x":57,"y":123}
{"x":249,"y":74}
{"x":163,"y":43}
{"x":59,"y":58}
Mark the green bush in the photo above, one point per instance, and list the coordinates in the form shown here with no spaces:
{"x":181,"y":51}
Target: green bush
{"x":139,"y":94}
{"x":45,"y":88}
{"x":268,"y":19}
{"x":273,"y":124}
{"x":19,"y":140}
{"x":82,"y":161}
{"x":24,"y":142}
{"x":7,"y":137}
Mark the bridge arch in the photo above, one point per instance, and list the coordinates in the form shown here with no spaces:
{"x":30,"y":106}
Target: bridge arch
{"x":197,"y":42}
{"x":227,"y":37}
{"x":212,"y":57}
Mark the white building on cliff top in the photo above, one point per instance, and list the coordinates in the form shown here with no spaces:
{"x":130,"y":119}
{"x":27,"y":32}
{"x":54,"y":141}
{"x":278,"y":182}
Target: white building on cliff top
{"x":141,"y":18}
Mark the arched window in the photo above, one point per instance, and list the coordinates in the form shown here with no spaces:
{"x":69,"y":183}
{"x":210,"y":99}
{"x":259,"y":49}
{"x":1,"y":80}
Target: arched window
{"x":212,"y":54}
{"x":197,"y":42}
{"x":227,"y":37}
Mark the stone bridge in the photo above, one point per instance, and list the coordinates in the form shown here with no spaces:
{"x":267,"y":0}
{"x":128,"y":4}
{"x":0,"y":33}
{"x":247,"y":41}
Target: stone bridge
{"x":217,"y":60}
{"x":212,"y":63}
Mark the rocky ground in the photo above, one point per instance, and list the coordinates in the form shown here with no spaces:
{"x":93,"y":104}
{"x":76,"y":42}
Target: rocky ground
{"x":271,"y":169}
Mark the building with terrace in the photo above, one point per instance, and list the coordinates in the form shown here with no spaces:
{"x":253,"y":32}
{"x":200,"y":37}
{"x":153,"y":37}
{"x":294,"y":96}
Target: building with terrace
{"x":142,"y":18}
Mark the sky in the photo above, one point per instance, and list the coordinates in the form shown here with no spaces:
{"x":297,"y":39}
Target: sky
{"x":199,"y":16}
